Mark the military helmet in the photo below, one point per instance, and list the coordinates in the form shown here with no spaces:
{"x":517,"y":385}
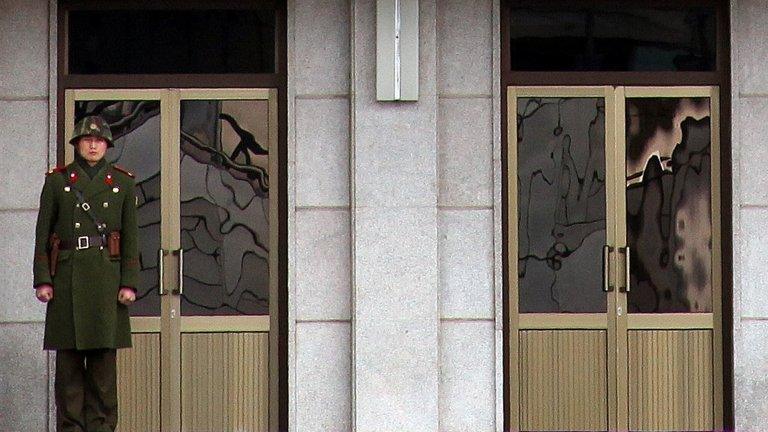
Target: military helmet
{"x":92,"y":125}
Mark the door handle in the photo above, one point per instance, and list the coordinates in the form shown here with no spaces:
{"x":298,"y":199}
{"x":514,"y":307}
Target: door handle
{"x":607,"y":285}
{"x":161,"y":253}
{"x":626,"y":286}
{"x":179,"y":290}
{"x":181,"y":271}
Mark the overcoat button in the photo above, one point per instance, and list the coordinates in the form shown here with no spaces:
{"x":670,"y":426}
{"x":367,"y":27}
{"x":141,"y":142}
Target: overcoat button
{"x":106,"y":204}
{"x":77,"y":224}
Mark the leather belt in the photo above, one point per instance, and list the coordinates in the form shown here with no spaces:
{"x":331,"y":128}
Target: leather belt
{"x":82,"y":242}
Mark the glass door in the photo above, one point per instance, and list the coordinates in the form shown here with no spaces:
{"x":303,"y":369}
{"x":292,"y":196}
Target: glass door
{"x":614,"y":258}
{"x":669,"y":334}
{"x":205,"y":166}
{"x":227,"y":208}
{"x":560,"y":207}
{"x":139,"y":122}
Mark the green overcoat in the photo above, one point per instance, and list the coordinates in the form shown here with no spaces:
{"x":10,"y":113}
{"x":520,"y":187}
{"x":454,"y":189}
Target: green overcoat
{"x":84,"y":312}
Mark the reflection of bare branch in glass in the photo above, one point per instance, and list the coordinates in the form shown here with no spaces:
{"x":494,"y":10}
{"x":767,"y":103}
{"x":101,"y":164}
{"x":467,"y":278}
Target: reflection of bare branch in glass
{"x":561,"y":203}
{"x":658,"y":136}
{"x":669,"y":225}
{"x":225,"y":229}
{"x":123,"y":117}
{"x":247,"y":141}
{"x":257,"y":176}
{"x":208,"y":231}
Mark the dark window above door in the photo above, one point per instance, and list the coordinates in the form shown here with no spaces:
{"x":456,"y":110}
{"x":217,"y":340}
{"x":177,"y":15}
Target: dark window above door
{"x":168,"y":41}
{"x":612,"y":36}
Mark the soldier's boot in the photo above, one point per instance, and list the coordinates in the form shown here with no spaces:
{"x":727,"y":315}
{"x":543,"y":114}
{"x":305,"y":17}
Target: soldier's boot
{"x":101,"y":390}
{"x":69,"y":389}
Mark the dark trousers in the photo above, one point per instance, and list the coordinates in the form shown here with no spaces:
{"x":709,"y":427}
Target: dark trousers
{"x":86,"y":390}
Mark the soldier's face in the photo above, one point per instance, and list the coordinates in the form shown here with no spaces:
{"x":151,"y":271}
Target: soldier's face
{"x":92,"y":148}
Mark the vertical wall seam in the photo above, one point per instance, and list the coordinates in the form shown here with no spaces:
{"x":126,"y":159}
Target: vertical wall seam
{"x":291,"y":191}
{"x":736,"y":191}
{"x":439,"y":340}
{"x":438,"y":249}
{"x":497,"y":179}
{"x":352,"y":221}
{"x":438,"y":365}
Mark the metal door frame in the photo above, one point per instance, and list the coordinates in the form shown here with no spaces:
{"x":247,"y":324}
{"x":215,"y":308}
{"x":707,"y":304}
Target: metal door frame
{"x":670,"y":321}
{"x":170,"y":324}
{"x":517,"y":321}
{"x":615,"y":323}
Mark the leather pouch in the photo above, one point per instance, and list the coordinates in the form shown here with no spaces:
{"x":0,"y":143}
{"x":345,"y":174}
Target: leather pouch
{"x":53,"y":255}
{"x":113,"y":244}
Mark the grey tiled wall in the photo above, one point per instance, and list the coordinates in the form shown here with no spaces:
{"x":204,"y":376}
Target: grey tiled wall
{"x":319,"y":216}
{"x":749,"y":27}
{"x":395,"y":222}
{"x":440,"y":206}
{"x":24,"y":56}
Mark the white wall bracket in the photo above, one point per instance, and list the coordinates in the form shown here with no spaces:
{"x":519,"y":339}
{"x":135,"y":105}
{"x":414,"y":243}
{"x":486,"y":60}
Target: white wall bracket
{"x":397,"y":50}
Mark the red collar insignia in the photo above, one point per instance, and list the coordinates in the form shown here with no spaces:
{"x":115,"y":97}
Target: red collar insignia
{"x":108,"y":179}
{"x":73,"y":177}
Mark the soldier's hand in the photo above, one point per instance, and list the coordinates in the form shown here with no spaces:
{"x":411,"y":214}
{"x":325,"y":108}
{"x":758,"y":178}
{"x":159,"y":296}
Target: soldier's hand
{"x":44,"y":293}
{"x":126,"y":296}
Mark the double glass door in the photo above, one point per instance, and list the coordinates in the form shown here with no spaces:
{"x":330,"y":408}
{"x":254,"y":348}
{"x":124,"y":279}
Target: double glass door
{"x":205,"y":169}
{"x":614,"y":258}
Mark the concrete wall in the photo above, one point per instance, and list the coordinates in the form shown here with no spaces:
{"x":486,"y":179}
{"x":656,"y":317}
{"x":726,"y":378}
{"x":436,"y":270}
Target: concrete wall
{"x":749,"y":27}
{"x":394,"y":220}
{"x":469,"y":216}
{"x":395,"y":280}
{"x":24,"y":144}
{"x":319,"y":215}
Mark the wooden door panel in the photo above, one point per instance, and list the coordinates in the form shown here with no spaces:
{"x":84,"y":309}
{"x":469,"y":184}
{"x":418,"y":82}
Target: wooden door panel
{"x":563,"y":380}
{"x":225,"y":382}
{"x":670,"y":380}
{"x":138,"y":384}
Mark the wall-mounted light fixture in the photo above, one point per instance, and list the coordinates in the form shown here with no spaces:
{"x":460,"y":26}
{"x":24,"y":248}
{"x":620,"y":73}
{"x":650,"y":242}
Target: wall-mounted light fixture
{"x":397,"y":50}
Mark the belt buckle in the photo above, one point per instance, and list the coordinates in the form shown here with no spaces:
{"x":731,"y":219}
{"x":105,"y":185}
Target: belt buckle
{"x":83,"y":242}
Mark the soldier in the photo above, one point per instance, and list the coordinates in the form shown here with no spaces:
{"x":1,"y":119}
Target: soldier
{"x":86,"y":270}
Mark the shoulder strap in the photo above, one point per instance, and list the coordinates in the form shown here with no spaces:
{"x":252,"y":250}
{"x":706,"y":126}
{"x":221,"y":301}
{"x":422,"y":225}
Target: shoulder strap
{"x":123,"y":170}
{"x":80,"y":200}
{"x":56,"y":170}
